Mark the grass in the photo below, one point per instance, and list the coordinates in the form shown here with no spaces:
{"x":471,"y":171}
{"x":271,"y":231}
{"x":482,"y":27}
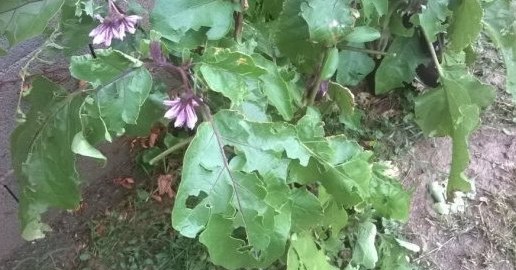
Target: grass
{"x":137,"y":234}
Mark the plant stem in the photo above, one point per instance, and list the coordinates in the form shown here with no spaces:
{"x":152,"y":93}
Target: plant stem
{"x":434,"y":55}
{"x":318,"y":79}
{"x":169,"y":151}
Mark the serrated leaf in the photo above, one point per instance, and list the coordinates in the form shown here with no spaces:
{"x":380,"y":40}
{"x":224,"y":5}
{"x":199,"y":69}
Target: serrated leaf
{"x":303,"y":254}
{"x":233,"y":194}
{"x":328,"y":20}
{"x":353,"y":67}
{"x":227,"y":72}
{"x":500,"y":25}
{"x":466,"y":24}
{"x":433,"y":17}
{"x":405,"y":55}
{"x":173,"y":18}
{"x":365,"y":253}
{"x":122,"y":83}
{"x":21,"y":20}
{"x":41,"y":155}
{"x":453,"y":110}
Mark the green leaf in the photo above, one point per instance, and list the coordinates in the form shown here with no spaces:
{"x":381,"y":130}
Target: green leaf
{"x":405,"y":55}
{"x":466,"y":24}
{"x":41,"y":155}
{"x":375,"y":8}
{"x":328,"y":20}
{"x":275,"y":88}
{"x":343,"y":97}
{"x":74,"y":30}
{"x":388,"y":196}
{"x":123,"y":85}
{"x":303,"y":254}
{"x":392,"y":256}
{"x":365,"y":253}
{"x":330,"y":65}
{"x":433,"y":18}
{"x":362,"y":34}
{"x":228,"y":72}
{"x":82,"y":147}
{"x":353,"y":67}
{"x":453,"y":110}
{"x":500,"y":25}
{"x":173,"y":18}
{"x":21,"y":20}
{"x":292,"y":38}
{"x":345,"y":175}
{"x":229,"y":194}
{"x":306,"y":210}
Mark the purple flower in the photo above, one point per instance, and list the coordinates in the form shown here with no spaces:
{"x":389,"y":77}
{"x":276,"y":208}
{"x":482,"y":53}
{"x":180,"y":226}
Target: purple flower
{"x":114,"y":25}
{"x":323,"y":89}
{"x":183,"y":110}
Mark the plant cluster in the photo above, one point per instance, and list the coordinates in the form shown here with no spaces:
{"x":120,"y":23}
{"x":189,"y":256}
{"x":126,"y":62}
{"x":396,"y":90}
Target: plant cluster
{"x":261,"y":182}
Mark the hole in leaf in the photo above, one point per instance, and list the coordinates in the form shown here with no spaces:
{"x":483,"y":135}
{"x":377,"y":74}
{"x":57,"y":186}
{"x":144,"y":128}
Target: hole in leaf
{"x":193,"y":201}
{"x":240,"y":234}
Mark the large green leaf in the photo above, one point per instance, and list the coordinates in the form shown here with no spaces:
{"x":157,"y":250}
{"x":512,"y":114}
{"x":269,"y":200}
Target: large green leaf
{"x":328,"y":20}
{"x":293,"y":38}
{"x":466,"y":24}
{"x":42,"y":157}
{"x":364,"y":252}
{"x":23,"y":19}
{"x":433,"y":18}
{"x":303,"y":254}
{"x":229,"y":194}
{"x":173,"y":18}
{"x":353,"y":67}
{"x":307,"y":211}
{"x":453,"y":110}
{"x":405,"y":55}
{"x":228,"y":72}
{"x":500,"y":25}
{"x":122,"y":83}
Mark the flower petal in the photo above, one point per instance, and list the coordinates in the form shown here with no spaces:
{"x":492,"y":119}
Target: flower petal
{"x":191,"y":117}
{"x":181,"y":119}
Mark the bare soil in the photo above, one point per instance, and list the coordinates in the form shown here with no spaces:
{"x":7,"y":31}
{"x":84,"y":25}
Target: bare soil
{"x":484,"y":236}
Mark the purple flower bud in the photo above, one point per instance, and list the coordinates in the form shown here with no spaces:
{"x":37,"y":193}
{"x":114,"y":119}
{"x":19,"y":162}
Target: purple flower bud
{"x":183,"y":110}
{"x":323,"y":89}
{"x":156,"y":54}
{"x":114,"y":25}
